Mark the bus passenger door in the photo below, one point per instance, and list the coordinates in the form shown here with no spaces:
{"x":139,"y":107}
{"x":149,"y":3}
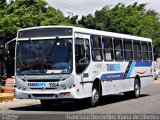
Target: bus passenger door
{"x":82,"y":57}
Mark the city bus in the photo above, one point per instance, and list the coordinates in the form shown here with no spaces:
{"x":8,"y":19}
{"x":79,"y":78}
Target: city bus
{"x":56,"y":63}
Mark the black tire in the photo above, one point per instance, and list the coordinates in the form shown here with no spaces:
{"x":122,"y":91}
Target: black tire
{"x":94,"y":100}
{"x":136,"y":92}
{"x":137,"y":88}
{"x":47,"y":104}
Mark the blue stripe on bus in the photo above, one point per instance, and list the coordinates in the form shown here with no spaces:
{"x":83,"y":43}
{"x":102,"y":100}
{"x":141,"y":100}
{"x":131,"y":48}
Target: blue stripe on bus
{"x":112,"y":76}
{"x":138,"y":64}
{"x":131,"y":69}
{"x":143,"y":64}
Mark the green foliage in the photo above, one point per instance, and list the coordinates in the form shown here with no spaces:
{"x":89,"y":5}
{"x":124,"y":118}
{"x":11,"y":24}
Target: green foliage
{"x":28,"y":13}
{"x":133,"y":19}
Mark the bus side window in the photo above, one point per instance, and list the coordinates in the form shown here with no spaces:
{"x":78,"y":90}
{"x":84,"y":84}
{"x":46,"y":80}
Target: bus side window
{"x":96,"y":44}
{"x":137,"y":50}
{"x":150,"y":51}
{"x":107,"y":48}
{"x":118,"y":49}
{"x":128,"y":53}
{"x":145,"y":51}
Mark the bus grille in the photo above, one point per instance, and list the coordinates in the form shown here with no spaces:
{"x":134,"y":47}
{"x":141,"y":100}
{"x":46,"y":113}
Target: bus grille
{"x":43,"y":89}
{"x":44,"y":80}
{"x":43,"y":95}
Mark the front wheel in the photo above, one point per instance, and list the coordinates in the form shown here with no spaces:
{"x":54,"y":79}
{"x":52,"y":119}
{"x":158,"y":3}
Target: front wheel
{"x":94,"y":100}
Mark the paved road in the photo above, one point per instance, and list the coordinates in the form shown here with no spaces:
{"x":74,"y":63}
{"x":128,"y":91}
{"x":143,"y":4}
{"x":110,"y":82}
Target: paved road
{"x":148,"y":103}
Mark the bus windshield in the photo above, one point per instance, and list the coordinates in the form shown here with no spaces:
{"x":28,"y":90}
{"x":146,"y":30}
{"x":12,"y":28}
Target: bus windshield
{"x":44,"y":56}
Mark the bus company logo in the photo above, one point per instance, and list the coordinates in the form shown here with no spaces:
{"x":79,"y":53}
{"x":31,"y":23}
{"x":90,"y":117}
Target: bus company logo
{"x":113,"y":67}
{"x":36,"y":84}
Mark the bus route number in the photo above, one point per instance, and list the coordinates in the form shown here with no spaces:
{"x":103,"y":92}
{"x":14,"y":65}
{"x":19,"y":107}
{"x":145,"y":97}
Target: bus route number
{"x":54,"y":85}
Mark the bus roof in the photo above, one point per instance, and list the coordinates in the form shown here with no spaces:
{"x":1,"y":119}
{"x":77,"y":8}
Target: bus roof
{"x":94,"y":32}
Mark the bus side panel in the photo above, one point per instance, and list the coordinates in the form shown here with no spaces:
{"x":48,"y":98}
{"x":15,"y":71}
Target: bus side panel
{"x":83,"y":85}
{"x":88,"y":79}
{"x":117,"y":86}
{"x":146,"y":81}
{"x":109,"y":86}
{"x":78,"y":86}
{"x":145,"y":71}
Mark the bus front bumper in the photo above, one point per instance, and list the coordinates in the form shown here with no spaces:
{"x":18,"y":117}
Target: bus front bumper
{"x":44,"y":95}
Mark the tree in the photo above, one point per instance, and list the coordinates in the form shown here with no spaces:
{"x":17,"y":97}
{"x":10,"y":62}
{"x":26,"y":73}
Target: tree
{"x":2,"y":3}
{"x":28,"y":13}
{"x":133,"y":19}
{"x":87,"y":21}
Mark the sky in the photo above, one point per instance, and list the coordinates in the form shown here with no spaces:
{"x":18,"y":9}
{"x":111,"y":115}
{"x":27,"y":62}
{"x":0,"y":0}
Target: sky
{"x":85,"y":7}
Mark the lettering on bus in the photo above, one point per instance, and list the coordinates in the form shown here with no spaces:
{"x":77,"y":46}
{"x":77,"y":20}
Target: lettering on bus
{"x":37,"y":84}
{"x":113,"y":67}
{"x":98,"y":65}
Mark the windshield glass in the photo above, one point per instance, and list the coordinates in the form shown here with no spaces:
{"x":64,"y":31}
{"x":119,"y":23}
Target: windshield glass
{"x":44,"y":56}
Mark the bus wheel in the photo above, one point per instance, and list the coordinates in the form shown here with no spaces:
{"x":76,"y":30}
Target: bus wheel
{"x":46,"y":103}
{"x":136,"y":92}
{"x":94,"y":100}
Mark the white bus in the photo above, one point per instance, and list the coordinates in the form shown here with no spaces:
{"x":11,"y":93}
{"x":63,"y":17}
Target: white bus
{"x":65,"y":63}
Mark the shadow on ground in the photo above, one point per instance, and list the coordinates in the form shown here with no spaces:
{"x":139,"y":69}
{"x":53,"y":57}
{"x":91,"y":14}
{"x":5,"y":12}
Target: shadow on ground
{"x":67,"y":106}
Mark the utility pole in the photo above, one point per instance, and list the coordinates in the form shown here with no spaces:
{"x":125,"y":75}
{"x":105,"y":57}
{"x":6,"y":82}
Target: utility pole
{"x":70,"y":13}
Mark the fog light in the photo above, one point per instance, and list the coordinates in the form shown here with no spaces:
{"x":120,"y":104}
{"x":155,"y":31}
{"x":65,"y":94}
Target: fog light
{"x":64,"y":87}
{"x":19,"y":88}
{"x":70,"y":87}
{"x":23,"y":88}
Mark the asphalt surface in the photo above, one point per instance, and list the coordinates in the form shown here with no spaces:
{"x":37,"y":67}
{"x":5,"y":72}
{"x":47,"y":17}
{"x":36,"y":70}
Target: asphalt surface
{"x":147,"y":103}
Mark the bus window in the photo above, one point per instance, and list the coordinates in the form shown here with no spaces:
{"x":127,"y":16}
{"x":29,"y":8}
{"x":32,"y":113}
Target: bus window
{"x":82,"y":54}
{"x":96,"y":48}
{"x":144,"y":51}
{"x":118,"y":49}
{"x":150,"y":51}
{"x":107,"y":48}
{"x":128,"y":54}
{"x":137,"y":50}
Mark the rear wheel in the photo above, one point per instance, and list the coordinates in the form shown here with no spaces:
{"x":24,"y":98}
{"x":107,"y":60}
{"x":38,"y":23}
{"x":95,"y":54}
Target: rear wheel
{"x":136,"y":92}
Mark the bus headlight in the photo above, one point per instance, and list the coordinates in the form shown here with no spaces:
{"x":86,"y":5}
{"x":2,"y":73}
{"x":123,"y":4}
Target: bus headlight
{"x":70,"y":86}
{"x":64,"y":87}
{"x":21,"y":88}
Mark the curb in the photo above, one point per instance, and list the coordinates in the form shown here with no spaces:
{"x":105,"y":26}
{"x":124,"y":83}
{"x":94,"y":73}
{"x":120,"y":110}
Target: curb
{"x":4,"y":97}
